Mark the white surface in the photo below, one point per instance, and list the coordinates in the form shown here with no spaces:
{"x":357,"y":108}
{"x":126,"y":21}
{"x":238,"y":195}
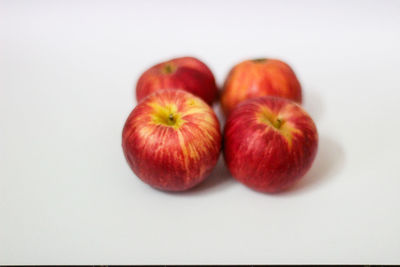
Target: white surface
{"x":67,"y":196}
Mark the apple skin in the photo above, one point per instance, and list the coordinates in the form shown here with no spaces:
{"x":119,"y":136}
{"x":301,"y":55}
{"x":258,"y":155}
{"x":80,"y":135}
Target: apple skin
{"x":259,"y":77}
{"x":172,"y":140}
{"x":269,"y":143}
{"x":185,"y":73}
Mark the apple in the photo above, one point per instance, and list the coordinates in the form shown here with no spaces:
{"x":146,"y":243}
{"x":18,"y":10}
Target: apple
{"x":269,"y":143}
{"x":259,"y":77}
{"x":185,"y":73}
{"x":172,"y":140}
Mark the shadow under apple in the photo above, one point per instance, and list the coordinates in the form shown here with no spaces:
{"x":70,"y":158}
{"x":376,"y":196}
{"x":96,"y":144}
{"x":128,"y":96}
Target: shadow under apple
{"x":329,"y":161}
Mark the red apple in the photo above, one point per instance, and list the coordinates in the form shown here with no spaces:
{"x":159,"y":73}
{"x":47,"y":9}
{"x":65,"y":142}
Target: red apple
{"x":259,"y":77}
{"x":269,"y":143}
{"x":185,"y":73}
{"x":172,"y":140}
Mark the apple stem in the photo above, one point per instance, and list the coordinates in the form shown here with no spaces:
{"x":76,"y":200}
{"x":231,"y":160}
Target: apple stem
{"x":278,"y":123}
{"x":259,"y":60}
{"x":168,"y":68}
{"x":171,"y":118}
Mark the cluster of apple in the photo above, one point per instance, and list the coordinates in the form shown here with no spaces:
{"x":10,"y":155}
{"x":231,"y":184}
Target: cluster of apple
{"x":172,"y":138}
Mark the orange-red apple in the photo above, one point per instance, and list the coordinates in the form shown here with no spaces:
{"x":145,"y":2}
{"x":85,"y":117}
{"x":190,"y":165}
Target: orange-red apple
{"x":269,"y":143}
{"x":172,"y":140}
{"x":259,"y":77}
{"x":185,"y":73}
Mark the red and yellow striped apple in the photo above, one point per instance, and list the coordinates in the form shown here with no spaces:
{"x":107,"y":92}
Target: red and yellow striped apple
{"x":185,"y":73}
{"x":172,"y":140}
{"x":269,"y":143}
{"x":259,"y":77}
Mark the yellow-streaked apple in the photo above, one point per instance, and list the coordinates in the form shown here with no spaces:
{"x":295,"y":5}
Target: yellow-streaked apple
{"x":172,"y":140}
{"x":269,"y":143}
{"x":185,"y":73}
{"x":259,"y":77}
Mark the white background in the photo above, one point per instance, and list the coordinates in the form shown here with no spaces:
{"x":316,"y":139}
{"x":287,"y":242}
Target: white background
{"x":67,"y":72}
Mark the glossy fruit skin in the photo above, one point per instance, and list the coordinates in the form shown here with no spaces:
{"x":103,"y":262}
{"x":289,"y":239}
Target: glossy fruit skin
{"x":175,"y":156}
{"x":185,"y":73}
{"x":259,"y":77}
{"x":263,"y":157}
